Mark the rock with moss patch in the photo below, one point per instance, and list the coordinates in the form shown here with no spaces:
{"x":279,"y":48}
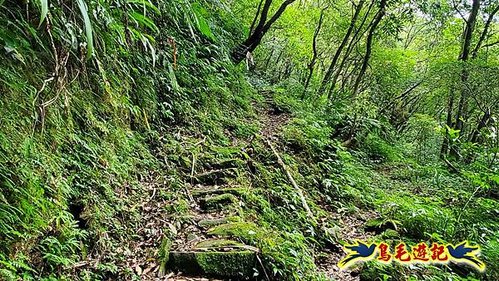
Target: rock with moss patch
{"x":209,"y":223}
{"x":232,"y":264}
{"x":390,"y":234}
{"x":218,"y":202}
{"x":244,"y":230}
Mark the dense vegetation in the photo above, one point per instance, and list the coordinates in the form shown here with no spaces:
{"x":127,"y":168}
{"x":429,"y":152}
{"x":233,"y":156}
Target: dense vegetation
{"x":383,"y":111}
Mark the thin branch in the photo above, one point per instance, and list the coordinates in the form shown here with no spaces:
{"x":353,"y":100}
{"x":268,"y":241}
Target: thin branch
{"x":293,"y":182}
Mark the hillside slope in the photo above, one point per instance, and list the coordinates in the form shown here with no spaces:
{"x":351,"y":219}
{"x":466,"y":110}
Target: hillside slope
{"x":133,"y":148}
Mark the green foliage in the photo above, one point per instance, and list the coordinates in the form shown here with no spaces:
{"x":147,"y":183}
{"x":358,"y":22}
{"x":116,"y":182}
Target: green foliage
{"x":98,"y":97}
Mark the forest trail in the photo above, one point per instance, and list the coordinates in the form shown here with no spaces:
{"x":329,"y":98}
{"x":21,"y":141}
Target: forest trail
{"x":352,"y":228}
{"x":214,"y":199}
{"x":214,"y":202}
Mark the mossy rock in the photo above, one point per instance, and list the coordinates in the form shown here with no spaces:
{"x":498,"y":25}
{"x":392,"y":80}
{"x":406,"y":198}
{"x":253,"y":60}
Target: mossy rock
{"x":247,"y":231}
{"x":209,"y":223}
{"x":214,"y":244}
{"x":379,"y":225}
{"x":164,"y":253}
{"x":218,"y":202}
{"x":220,"y":264}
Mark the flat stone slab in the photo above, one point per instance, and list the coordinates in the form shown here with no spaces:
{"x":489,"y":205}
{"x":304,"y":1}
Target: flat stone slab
{"x":209,"y":223}
{"x":231,"y":264}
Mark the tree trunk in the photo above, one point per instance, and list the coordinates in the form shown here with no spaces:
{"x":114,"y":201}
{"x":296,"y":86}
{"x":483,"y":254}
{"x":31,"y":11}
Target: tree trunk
{"x":464,"y":56}
{"x":250,"y":44}
{"x":311,"y":65}
{"x":343,"y":43}
{"x":355,"y":39}
{"x":255,"y":18}
{"x":369,"y":43}
{"x":484,"y":32}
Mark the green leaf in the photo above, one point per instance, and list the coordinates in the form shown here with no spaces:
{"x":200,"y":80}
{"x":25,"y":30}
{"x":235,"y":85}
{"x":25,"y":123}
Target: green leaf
{"x":45,"y":10}
{"x":88,"y":28}
{"x":173,"y":79}
{"x":202,"y":25}
{"x":146,"y":4}
{"x":144,"y":20}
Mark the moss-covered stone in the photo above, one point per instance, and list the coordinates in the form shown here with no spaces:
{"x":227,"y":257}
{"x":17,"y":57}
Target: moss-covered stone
{"x":244,"y":230}
{"x":390,"y":234}
{"x":185,"y":262}
{"x":379,"y":225}
{"x":217,"y":244}
{"x":208,"y":223}
{"x":237,"y":263}
{"x":164,"y":253}
{"x":220,"y":264}
{"x":218,"y":202}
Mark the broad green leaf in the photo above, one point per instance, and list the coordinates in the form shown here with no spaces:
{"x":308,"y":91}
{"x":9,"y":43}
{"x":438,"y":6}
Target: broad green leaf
{"x":144,"y":20}
{"x":202,"y":25}
{"x":45,"y":10}
{"x":88,"y":28}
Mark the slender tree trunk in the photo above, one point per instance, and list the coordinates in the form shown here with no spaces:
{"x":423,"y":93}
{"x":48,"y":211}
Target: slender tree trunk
{"x":331,"y":68}
{"x":369,"y":43}
{"x":250,"y":44}
{"x":353,"y":42}
{"x":311,"y":65}
{"x":255,"y":18}
{"x":464,"y":57}
{"x":485,"y":31}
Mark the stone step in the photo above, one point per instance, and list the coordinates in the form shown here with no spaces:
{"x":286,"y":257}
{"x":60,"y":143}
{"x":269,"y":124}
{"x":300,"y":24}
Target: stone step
{"x":235,"y":263}
{"x":217,"y":176}
{"x":207,"y":222}
{"x":219,"y":202}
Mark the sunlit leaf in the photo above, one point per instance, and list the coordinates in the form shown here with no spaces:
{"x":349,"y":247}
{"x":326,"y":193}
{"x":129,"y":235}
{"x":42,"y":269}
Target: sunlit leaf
{"x":45,"y":10}
{"x":88,"y":28}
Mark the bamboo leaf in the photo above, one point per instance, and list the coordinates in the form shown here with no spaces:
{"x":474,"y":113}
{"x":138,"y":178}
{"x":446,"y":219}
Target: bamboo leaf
{"x":202,"y":24}
{"x":45,"y":10}
{"x":143,"y":20}
{"x":88,"y":28}
{"x":146,"y":4}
